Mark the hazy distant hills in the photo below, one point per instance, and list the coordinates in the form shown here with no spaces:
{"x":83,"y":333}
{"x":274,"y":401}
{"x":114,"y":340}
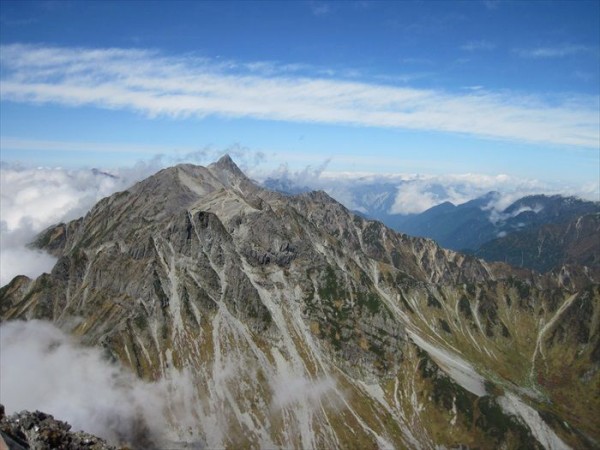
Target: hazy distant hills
{"x":537,"y":231}
{"x":547,"y":246}
{"x":474,"y":224}
{"x":465,"y":226}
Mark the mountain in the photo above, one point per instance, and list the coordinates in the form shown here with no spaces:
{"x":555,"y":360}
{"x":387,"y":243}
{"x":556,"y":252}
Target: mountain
{"x":366,"y":196}
{"x":456,"y":227}
{"x":303,"y":325}
{"x":470,"y":225}
{"x":284,"y":186}
{"x":548,"y":246}
{"x":466,"y":227}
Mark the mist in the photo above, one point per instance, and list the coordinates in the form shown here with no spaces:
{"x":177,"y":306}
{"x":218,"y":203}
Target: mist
{"x":33,"y":199}
{"x":44,"y":369}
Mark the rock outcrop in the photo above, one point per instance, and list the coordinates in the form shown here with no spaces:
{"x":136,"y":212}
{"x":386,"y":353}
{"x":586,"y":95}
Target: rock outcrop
{"x":40,"y":431}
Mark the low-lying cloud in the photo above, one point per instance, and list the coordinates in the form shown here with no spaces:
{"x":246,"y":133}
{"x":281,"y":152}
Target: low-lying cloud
{"x":44,"y":369}
{"x":289,"y":390}
{"x":413,"y":194}
{"x":31,"y":199}
{"x":498,"y":215}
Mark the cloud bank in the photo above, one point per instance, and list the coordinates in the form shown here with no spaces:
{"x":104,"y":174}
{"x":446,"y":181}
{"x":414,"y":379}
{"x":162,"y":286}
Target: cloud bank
{"x":32,"y":199}
{"x":153,"y":84}
{"x":44,"y":369}
{"x":415,"y":193}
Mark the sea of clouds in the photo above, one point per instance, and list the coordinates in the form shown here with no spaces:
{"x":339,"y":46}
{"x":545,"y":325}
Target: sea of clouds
{"x":414,"y":193}
{"x":33,"y":199}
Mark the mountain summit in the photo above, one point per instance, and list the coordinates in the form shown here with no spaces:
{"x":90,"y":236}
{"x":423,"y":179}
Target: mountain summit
{"x":302,"y":325}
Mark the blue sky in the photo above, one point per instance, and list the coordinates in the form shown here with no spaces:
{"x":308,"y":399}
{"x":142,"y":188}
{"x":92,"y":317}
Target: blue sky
{"x":488,"y":87}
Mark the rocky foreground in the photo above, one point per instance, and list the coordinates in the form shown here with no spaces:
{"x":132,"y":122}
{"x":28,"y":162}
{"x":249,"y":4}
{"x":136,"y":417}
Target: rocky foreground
{"x":40,"y":431}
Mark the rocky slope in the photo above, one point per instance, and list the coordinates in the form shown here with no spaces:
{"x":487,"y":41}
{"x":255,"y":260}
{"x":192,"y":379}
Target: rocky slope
{"x":306,"y":326}
{"x":548,"y":246}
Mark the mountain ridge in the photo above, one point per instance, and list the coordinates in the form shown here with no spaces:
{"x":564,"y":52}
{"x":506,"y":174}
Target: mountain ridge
{"x":465,"y":226}
{"x":470,"y":225}
{"x":550,"y":245}
{"x":198,"y":268}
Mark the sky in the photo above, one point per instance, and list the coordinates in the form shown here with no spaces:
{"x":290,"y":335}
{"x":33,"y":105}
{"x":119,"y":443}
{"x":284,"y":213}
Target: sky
{"x":429,"y":87}
{"x":474,"y":96}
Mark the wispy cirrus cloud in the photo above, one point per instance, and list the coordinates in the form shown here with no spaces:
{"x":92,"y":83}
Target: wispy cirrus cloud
{"x":559,"y":51}
{"x":477,"y":45}
{"x":155,"y":85}
{"x":15,"y":143}
{"x":320,"y":8}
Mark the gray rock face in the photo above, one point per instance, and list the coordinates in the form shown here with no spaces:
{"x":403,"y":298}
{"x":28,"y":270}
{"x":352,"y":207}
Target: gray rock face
{"x":305,"y":326}
{"x":40,"y":431}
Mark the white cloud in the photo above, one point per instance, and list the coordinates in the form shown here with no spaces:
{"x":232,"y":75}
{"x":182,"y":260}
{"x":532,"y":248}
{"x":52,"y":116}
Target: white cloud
{"x":289,"y":389}
{"x":33,"y":199}
{"x":559,"y":51}
{"x":497,"y":206}
{"x":19,"y":260}
{"x":414,"y":193}
{"x":415,"y":196}
{"x":412,"y":198}
{"x":481,"y":44}
{"x":418,"y":195}
{"x":44,"y":369}
{"x":157,"y":85}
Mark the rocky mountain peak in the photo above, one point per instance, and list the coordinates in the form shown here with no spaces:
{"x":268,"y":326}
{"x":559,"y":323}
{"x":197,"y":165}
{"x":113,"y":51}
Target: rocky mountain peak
{"x":226,"y":164}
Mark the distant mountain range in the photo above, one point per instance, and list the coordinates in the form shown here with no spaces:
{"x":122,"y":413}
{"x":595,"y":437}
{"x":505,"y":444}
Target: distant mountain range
{"x":537,"y":231}
{"x":513,"y":234}
{"x":544,"y":247}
